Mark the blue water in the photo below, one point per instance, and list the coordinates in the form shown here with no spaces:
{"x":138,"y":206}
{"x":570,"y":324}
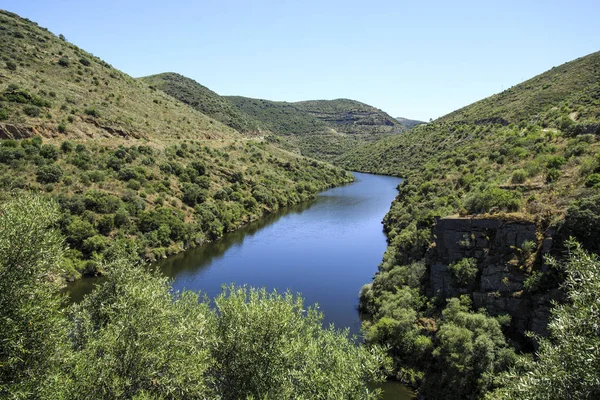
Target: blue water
{"x":325,"y":250}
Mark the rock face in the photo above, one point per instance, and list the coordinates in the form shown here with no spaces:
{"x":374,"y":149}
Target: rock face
{"x":502,"y":249}
{"x":9,"y":131}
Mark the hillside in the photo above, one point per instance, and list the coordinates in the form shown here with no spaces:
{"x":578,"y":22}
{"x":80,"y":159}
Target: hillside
{"x":322,"y":129}
{"x":202,"y":99}
{"x":491,"y":190}
{"x":127,"y":163}
{"x":350,"y":117}
{"x":409,"y":123}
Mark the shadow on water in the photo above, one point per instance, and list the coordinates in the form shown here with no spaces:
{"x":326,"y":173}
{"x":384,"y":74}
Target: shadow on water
{"x":200,"y":257}
{"x":196,"y":258}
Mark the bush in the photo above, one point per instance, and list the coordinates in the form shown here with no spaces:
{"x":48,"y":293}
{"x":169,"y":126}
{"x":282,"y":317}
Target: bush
{"x":11,"y":66}
{"x":583,"y":221}
{"x":518,"y":176}
{"x":493,"y":198}
{"x":85,"y":61}
{"x":49,"y":174}
{"x":49,"y":152}
{"x":32,"y":111}
{"x":593,"y":180}
{"x":66,"y":146}
{"x":92,"y":112}
{"x":64,"y":61}
{"x":464,"y":271}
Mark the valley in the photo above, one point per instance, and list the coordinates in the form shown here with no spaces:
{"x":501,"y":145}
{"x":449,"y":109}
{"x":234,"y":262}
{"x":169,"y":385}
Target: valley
{"x":487,"y":288}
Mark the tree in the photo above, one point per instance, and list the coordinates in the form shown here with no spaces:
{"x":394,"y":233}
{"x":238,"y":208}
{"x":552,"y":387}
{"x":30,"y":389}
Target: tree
{"x":32,"y":330}
{"x":269,"y":347}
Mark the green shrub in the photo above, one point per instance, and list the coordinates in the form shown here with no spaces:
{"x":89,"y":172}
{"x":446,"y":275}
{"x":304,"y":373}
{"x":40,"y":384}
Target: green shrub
{"x":3,"y":114}
{"x":518,"y":176}
{"x":64,"y":61}
{"x":49,"y":151}
{"x":32,"y":111}
{"x":593,"y":180}
{"x":11,"y":66}
{"x":85,"y":61}
{"x":555,"y":162}
{"x":464,"y":271}
{"x":49,"y":174}
{"x":583,"y":222}
{"x":552,"y":175}
{"x":92,"y":112}
{"x":493,"y":198}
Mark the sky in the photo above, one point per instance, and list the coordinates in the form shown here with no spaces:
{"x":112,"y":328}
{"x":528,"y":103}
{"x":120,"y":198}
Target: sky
{"x":417,"y":59}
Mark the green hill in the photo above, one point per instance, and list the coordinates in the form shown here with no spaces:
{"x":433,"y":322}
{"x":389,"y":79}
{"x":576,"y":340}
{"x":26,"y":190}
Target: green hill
{"x":409,"y":123}
{"x":524,"y":160}
{"x":202,"y":99}
{"x":129,"y":163}
{"x":323,"y":129}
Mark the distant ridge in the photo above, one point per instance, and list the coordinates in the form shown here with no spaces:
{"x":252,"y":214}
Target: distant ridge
{"x":409,"y":123}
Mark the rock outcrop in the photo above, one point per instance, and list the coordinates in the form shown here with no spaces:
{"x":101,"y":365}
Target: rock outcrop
{"x":503,"y":250}
{"x":10,"y":131}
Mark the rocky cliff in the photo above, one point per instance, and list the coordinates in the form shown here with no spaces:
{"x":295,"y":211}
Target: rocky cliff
{"x":505,"y":253}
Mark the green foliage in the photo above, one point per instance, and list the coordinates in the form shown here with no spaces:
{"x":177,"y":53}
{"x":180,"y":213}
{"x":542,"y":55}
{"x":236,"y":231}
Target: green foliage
{"x":566,"y":365}
{"x":464,"y":271}
{"x":518,"y":176}
{"x":492,"y":199}
{"x":49,"y":174}
{"x":32,"y":336}
{"x":133,"y":337}
{"x":92,"y":112}
{"x":288,"y":354}
{"x":64,"y":61}
{"x":583,"y":222}
{"x":32,"y":111}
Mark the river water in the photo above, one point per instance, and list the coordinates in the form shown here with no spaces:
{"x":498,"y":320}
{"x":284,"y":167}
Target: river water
{"x":325,"y":250}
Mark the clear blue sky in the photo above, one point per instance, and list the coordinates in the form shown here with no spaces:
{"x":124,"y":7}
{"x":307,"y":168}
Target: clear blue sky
{"x":413,"y":59}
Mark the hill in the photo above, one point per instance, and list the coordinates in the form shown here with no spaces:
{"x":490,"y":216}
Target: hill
{"x":409,"y":123}
{"x":202,"y":99}
{"x":491,"y":190}
{"x":322,"y":129}
{"x":129,"y":163}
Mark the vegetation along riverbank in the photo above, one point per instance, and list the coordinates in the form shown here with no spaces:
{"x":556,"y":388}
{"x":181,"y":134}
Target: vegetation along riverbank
{"x":488,"y":288}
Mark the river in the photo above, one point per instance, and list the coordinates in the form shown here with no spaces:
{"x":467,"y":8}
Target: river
{"x":325,"y":250}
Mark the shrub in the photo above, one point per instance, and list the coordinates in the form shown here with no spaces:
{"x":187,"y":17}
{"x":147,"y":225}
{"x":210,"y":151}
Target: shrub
{"x":11,"y":66}
{"x":593,"y":180}
{"x":85,"y":61}
{"x":49,"y":151}
{"x":555,"y":162}
{"x":518,"y":176}
{"x":493,"y":198}
{"x":64,"y":61}
{"x":193,"y":194}
{"x":464,"y":271}
{"x":49,"y":174}
{"x":92,"y":112}
{"x":583,"y":221}
{"x":32,"y":111}
{"x":3,"y":114}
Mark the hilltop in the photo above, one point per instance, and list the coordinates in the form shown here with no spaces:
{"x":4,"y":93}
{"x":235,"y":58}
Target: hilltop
{"x":128,"y":163}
